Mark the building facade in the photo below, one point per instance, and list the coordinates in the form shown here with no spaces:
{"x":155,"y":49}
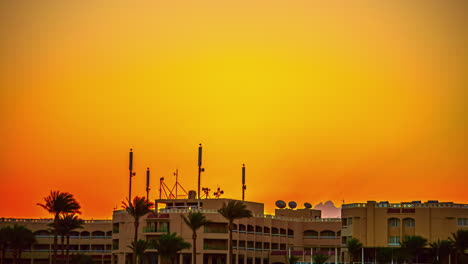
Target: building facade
{"x":261,"y":239}
{"x":94,"y":239}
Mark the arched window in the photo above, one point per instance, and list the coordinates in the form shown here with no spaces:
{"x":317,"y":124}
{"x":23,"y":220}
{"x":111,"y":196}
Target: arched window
{"x":409,"y":222}
{"x":98,"y":234}
{"x":266,"y":230}
{"x":250,"y":229}
{"x":242,"y":228}
{"x":84,"y":234}
{"x":42,"y":233}
{"x":393,"y":222}
{"x":327,"y":234}
{"x":311,"y":234}
{"x":74,"y":234}
{"x":258,"y":229}
{"x":274,"y":231}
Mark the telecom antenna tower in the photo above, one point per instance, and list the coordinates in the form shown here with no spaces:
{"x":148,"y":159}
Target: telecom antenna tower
{"x":244,"y":187}
{"x":132,"y":174}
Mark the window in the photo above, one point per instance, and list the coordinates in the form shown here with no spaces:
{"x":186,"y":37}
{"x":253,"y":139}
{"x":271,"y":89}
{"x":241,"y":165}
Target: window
{"x":394,"y":241}
{"x":462,"y":221}
{"x":394,"y":222}
{"x":409,"y":222}
{"x":350,"y":221}
{"x":312,"y":234}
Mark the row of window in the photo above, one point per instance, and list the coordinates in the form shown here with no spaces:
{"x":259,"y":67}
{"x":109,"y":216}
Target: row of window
{"x":462,"y":221}
{"x":407,"y":222}
{"x":76,"y":234}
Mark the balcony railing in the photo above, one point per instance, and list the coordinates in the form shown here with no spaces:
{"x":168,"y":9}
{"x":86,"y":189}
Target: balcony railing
{"x":155,"y":230}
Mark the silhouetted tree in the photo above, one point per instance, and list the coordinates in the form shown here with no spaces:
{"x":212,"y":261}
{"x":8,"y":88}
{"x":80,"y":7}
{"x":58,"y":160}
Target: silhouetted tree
{"x":140,"y":247}
{"x":412,"y":246}
{"x":21,"y":238}
{"x":194,"y":221}
{"x":231,"y":211}
{"x":440,"y":250}
{"x":5,"y":235}
{"x":460,"y":244}
{"x":354,"y":248}
{"x":66,"y":225}
{"x":168,"y":245}
{"x":320,"y":258}
{"x":59,"y":203}
{"x":292,"y":259}
{"x":138,"y":208}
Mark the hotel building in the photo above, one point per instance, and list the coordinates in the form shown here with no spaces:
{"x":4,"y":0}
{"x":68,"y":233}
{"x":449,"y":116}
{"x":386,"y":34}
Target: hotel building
{"x":261,"y":239}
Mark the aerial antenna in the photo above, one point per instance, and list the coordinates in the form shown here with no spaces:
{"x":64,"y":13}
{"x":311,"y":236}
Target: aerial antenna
{"x":244,"y":187}
{"x":130,"y":167}
{"x":177,"y":185}
{"x":218,"y":193}
{"x":200,"y":170}
{"x":147,"y":183}
{"x":164,"y":189}
{"x":206,"y":192}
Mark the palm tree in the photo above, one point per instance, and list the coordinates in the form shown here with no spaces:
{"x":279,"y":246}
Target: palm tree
{"x":231,"y":211}
{"x":5,"y":235}
{"x":67,"y":224}
{"x":354,"y":247}
{"x":320,"y":258}
{"x":168,"y":245}
{"x":412,"y":246}
{"x":140,"y":247}
{"x":460,"y":243}
{"x":21,"y":238}
{"x":138,"y":208}
{"x":292,"y":259}
{"x":194,"y":221}
{"x":441,"y":249}
{"x":59,"y":203}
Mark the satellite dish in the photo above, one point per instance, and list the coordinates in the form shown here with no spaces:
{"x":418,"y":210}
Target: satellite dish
{"x":307,"y":205}
{"x":280,"y":204}
{"x":292,"y":204}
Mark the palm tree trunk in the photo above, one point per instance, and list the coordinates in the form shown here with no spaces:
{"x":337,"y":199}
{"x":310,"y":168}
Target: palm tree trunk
{"x":229,"y":260}
{"x":54,"y":255}
{"x":62,"y":240}
{"x":68,"y":248}
{"x":135,"y":240}
{"x":194,"y":247}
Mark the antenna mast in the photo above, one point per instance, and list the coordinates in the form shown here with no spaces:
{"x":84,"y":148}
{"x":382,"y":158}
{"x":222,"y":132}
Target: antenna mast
{"x":200,"y":170}
{"x":130,"y":167}
{"x":244,"y":187}
{"x":147,"y":183}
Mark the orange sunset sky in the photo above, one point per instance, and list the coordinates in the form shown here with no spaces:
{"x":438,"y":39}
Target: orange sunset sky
{"x":322,"y":100}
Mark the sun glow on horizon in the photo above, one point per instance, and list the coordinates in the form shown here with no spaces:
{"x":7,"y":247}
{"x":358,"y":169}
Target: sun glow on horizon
{"x":335,"y":101}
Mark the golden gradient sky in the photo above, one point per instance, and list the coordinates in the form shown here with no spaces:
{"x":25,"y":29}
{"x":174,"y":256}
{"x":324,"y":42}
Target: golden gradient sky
{"x":322,"y":100}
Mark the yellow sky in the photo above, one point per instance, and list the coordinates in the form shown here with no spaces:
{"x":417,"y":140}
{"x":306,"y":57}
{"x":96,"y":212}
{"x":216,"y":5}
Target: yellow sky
{"x":322,"y":100}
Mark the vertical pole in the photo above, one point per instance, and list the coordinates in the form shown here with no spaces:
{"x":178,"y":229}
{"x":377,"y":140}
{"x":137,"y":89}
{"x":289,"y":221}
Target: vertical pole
{"x":130,"y":168}
{"x":176,"y":182}
{"x":362,"y":257}
{"x":199,"y":171}
{"x":147,"y":183}
{"x":311,"y":255}
{"x":243,"y":182}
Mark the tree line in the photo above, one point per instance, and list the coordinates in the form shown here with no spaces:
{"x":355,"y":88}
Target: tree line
{"x":413,"y":249}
